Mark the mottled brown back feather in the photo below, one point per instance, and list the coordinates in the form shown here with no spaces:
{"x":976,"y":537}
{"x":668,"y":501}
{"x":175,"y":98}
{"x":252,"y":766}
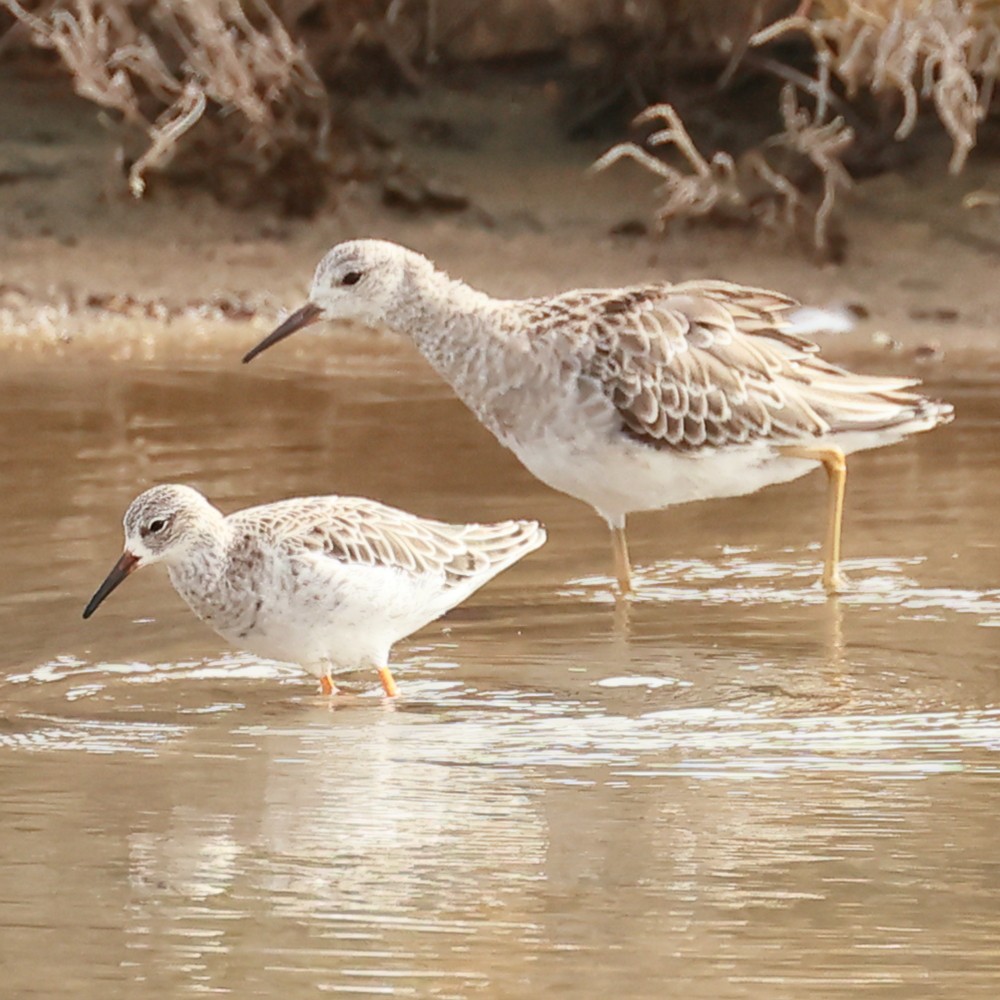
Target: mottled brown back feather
{"x":362,"y":531}
{"x":706,"y":364}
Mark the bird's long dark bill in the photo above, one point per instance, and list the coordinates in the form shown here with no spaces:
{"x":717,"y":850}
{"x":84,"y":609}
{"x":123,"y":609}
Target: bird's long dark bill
{"x":121,"y":569}
{"x":298,"y":319}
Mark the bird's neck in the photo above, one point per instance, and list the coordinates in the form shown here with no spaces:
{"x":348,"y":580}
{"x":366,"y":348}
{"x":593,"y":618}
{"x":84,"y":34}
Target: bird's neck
{"x":451,"y":324}
{"x":199,"y":574}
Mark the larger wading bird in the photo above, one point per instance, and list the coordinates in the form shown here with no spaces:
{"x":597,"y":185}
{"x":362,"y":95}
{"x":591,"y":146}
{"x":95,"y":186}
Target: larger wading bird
{"x":632,"y":398}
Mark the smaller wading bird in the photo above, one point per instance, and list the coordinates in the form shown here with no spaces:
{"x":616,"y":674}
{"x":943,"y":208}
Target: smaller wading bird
{"x":631,"y":398}
{"x":325,"y":582}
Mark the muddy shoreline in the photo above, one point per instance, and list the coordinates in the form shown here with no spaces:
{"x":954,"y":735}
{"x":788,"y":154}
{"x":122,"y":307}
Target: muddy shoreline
{"x":87,"y":273}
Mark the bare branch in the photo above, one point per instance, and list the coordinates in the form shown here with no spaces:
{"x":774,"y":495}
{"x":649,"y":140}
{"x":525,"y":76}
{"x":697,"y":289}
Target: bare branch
{"x":250,"y":73}
{"x":823,"y":146}
{"x":169,"y":127}
{"x":947,"y":51}
{"x":684,"y":195}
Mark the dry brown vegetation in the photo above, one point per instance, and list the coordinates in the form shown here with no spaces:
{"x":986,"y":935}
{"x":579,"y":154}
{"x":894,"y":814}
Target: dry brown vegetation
{"x":753,"y":189}
{"x":253,"y":97}
{"x":223,"y":80}
{"x":899,"y":55}
{"x":943,"y":51}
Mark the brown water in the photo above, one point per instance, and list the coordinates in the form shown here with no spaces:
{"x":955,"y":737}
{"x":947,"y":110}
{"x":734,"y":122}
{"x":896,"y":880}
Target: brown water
{"x":738,"y":789}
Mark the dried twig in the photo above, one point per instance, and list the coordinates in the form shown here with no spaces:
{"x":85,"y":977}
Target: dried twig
{"x":172,"y":124}
{"x":823,"y":145}
{"x":947,"y":51}
{"x":684,"y":195}
{"x":248,"y":72}
{"x":722,"y":183}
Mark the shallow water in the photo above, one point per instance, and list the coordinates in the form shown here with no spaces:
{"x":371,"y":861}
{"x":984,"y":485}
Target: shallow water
{"x":734,"y":789}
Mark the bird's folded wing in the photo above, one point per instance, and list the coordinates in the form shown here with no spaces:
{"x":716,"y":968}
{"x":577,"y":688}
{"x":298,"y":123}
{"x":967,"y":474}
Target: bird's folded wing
{"x":709,"y":364}
{"x":355,"y":530}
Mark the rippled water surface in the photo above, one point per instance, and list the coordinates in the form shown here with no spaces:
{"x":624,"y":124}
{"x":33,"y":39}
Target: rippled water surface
{"x":732,"y":788}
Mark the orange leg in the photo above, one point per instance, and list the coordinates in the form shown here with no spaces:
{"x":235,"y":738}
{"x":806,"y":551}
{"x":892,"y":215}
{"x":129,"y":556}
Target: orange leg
{"x":327,"y":685}
{"x":833,"y":460}
{"x":388,"y":682}
{"x":623,"y":565}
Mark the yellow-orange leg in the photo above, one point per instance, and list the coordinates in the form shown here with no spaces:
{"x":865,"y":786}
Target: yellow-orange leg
{"x":327,"y":685}
{"x":623,"y":565}
{"x":833,"y":460}
{"x":388,"y":682}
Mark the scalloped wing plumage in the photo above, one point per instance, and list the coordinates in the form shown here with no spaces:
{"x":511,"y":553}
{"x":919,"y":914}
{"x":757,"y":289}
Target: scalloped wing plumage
{"x":708,"y":364}
{"x":355,"y":530}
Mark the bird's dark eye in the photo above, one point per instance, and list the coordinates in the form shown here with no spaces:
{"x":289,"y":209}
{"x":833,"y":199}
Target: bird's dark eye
{"x":351,"y":278}
{"x":157,"y":524}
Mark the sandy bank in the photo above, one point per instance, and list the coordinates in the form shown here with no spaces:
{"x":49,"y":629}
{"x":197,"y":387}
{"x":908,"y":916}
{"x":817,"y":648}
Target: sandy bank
{"x":88,"y":273}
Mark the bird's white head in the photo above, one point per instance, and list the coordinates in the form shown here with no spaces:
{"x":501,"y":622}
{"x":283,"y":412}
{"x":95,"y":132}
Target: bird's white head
{"x":364,"y":279}
{"x":368,"y":281}
{"x":162,"y":522}
{"x":161,"y":525}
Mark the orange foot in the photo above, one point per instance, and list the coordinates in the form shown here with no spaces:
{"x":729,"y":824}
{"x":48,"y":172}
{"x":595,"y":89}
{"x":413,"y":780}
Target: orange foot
{"x":388,"y":682}
{"x":327,"y":685}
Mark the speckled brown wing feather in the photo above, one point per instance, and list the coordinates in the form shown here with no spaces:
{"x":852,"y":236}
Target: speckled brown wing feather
{"x":361,"y":531}
{"x":706,"y":364}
